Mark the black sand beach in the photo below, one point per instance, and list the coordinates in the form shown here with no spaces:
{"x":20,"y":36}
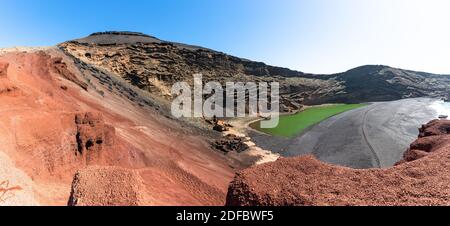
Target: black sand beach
{"x":368,"y":137}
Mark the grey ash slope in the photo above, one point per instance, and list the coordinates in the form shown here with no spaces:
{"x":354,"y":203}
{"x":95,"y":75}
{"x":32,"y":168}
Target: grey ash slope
{"x":155,"y":65}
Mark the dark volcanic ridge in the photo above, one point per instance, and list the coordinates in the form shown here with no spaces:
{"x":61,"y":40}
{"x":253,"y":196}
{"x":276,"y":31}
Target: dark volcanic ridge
{"x":155,"y":65}
{"x":127,"y":37}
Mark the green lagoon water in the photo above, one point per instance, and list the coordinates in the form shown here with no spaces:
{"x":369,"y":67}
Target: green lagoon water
{"x":292,"y":125}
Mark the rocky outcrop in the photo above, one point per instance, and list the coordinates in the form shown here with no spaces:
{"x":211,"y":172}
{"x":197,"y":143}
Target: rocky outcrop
{"x":432,"y":137}
{"x":155,"y":65}
{"x":6,"y":87}
{"x":58,"y":66}
{"x":107,"y":186}
{"x":231,"y":143}
{"x":435,"y":128}
{"x":93,"y":136}
{"x":118,"y":186}
{"x":4,"y":69}
{"x":305,"y":181}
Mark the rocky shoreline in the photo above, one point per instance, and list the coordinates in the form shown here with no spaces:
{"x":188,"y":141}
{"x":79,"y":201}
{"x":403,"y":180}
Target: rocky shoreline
{"x":420,"y":179}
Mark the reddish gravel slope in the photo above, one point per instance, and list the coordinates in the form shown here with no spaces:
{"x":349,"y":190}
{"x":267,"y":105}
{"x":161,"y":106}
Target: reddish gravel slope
{"x":57,"y":119}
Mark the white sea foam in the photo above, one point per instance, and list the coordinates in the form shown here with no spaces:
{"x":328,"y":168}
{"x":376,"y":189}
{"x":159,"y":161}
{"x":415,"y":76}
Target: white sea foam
{"x":441,"y":107}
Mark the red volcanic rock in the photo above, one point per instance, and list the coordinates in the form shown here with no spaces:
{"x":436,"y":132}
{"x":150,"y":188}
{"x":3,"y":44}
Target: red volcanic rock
{"x":412,"y":155}
{"x":93,"y":136}
{"x":58,"y":66}
{"x":3,"y":69}
{"x":432,"y":137}
{"x":6,"y":87}
{"x":434,"y":128}
{"x":107,"y":186}
{"x":307,"y":181}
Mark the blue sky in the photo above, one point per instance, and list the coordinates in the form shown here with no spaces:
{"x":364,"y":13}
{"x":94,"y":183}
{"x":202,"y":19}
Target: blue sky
{"x":318,"y":36}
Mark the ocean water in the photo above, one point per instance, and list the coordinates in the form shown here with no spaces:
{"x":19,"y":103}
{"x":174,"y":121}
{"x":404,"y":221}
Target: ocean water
{"x":441,"y":107}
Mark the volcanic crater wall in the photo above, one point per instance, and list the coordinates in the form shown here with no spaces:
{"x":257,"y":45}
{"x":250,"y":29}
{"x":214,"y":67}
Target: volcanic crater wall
{"x":155,"y":65}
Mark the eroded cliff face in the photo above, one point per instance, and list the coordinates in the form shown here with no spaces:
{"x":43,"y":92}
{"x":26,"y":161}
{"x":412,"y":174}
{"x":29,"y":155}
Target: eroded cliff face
{"x":421,"y":179}
{"x":155,"y":65}
{"x":60,"y":117}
